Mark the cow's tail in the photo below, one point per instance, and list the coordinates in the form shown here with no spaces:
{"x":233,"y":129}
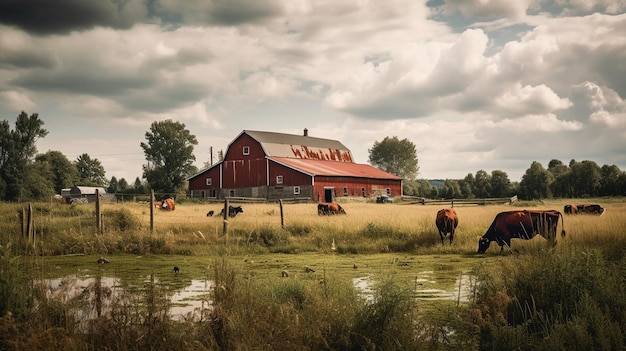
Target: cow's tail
{"x":562,"y":224}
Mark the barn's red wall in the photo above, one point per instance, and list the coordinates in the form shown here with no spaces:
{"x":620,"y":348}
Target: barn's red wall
{"x":290,"y":176}
{"x":243,"y":171}
{"x":372,"y":187}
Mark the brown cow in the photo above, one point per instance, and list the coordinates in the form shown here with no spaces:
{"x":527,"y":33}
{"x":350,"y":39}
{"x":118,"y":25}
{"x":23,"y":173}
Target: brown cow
{"x":330,"y":208}
{"x":522,"y":224}
{"x":166,"y":204}
{"x":446,"y":222}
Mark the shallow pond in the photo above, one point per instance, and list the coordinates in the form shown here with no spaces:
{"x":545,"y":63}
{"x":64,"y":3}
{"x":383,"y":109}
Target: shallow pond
{"x":187,"y":291}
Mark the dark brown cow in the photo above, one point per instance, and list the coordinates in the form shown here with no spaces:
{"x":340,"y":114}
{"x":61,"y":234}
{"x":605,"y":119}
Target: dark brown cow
{"x":584,"y":208}
{"x":591,"y":209}
{"x":331,"y":208}
{"x":570,"y":209}
{"x":523,"y":224}
{"x":446,"y":222}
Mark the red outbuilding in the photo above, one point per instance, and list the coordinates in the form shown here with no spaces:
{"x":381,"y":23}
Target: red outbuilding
{"x":276,"y":166}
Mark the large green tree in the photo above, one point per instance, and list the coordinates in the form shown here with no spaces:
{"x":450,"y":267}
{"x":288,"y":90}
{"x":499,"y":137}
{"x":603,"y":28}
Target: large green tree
{"x":90,"y":171}
{"x":17,"y":148}
{"x":585,"y":178}
{"x":64,"y":173}
{"x":536,"y":182}
{"x":169,"y":152}
{"x":500,"y":184}
{"x":395,"y":156}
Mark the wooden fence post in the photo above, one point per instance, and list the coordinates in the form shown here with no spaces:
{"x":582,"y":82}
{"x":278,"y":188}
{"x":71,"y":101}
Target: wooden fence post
{"x":151,"y":211}
{"x":225,"y":228}
{"x":282,"y":217}
{"x":29,"y":222}
{"x":98,"y":218}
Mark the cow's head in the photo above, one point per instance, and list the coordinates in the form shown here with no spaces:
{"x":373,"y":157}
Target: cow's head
{"x":483,"y":245}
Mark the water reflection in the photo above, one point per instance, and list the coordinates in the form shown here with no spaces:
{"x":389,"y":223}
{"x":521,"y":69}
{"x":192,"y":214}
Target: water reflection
{"x":186,"y":303}
{"x":189,"y":301}
{"x":461,"y":291}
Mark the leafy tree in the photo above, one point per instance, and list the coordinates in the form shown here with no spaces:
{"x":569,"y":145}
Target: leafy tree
{"x":500,"y":184}
{"x":561,"y":186}
{"x":139,"y":187}
{"x":451,"y":189}
{"x":122,"y":185}
{"x":609,"y":180}
{"x":585,"y":178}
{"x":90,"y":171}
{"x":17,"y":148}
{"x":410,"y":188}
{"x":395,"y":156}
{"x":169,"y":152}
{"x":467,"y":186}
{"x":64,"y":173}
{"x":113,"y":186}
{"x":536,"y":182}
{"x":482,"y":184}
{"x":38,"y":181}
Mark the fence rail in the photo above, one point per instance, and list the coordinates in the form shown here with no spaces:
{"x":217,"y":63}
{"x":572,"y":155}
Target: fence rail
{"x":408,"y":200}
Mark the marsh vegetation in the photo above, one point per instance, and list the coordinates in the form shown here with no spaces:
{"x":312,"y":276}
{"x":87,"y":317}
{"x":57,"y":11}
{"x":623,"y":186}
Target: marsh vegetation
{"x":377,"y":278}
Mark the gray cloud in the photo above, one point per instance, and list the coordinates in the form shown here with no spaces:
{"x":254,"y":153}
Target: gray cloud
{"x":43,"y":17}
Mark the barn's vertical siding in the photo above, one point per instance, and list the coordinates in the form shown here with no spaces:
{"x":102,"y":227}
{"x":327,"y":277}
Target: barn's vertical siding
{"x":291,"y":177}
{"x":349,"y":186}
{"x":244,"y":170}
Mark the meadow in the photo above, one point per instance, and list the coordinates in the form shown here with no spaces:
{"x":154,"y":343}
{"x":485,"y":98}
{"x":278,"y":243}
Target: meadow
{"x":267,"y":297}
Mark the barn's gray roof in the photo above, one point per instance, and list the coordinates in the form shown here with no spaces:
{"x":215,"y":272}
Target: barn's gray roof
{"x":300,"y":146}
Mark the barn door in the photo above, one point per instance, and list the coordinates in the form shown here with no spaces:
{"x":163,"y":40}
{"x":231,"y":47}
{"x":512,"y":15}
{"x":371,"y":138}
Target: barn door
{"x":328,"y":194}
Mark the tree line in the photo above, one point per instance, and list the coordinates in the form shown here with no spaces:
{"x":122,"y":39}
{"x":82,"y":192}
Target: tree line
{"x":574,"y":180}
{"x":27,"y":175}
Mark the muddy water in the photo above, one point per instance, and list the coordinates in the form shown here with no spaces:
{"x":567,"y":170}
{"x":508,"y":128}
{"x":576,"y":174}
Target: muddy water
{"x":188,"y":302}
{"x":185,"y":303}
{"x":425,"y":288}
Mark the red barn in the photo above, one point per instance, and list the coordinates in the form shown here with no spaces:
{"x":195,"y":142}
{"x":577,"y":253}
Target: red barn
{"x":280,"y":166}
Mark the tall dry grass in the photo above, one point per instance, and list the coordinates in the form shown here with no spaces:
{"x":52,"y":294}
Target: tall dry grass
{"x":366,"y":228}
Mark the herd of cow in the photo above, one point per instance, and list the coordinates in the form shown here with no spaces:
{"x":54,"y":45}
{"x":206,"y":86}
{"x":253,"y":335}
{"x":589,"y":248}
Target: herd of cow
{"x":520,"y":224}
{"x":517,"y":224}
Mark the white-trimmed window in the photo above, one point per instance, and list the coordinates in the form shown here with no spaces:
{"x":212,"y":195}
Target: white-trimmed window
{"x":209,"y":181}
{"x":363,"y":192}
{"x":246,"y":150}
{"x":388,"y":191}
{"x":296,"y":190}
{"x":279,"y":179}
{"x":345,"y":191}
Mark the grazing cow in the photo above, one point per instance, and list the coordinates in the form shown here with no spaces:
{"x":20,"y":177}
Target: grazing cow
{"x":232,"y":211}
{"x":331,"y":208}
{"x":166,"y":204}
{"x":522,"y":224}
{"x":591,"y":209}
{"x":570,"y":209}
{"x":210,"y":213}
{"x":446,"y":222}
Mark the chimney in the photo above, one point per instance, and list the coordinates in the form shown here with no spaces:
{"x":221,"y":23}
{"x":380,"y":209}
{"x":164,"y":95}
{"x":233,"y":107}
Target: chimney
{"x":306,"y":132}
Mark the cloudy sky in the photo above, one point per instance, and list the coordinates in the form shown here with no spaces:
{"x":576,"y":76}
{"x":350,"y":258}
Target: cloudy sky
{"x":474,"y":84}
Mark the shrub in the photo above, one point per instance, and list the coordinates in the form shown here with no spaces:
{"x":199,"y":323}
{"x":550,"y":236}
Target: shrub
{"x":121,"y":220}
